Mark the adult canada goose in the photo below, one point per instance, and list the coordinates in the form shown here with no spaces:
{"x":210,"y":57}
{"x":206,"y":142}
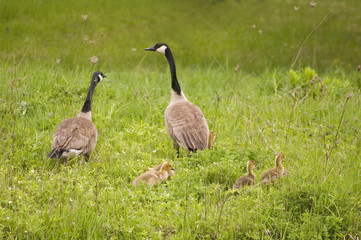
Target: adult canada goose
{"x":184,"y":121}
{"x":77,"y":135}
{"x":246,"y":179}
{"x":276,"y":172}
{"x":154,"y":177}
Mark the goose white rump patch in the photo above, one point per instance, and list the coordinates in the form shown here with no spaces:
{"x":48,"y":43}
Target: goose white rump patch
{"x":74,"y":152}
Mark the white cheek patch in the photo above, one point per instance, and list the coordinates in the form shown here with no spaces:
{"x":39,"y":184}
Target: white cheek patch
{"x":100,"y":77}
{"x":161,"y":49}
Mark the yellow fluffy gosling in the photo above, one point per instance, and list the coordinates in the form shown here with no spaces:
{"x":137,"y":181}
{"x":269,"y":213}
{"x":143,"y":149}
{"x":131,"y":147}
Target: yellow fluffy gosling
{"x":247,"y":179}
{"x":276,"y":172}
{"x":211,"y":138}
{"x":158,"y":167}
{"x":154,"y":177}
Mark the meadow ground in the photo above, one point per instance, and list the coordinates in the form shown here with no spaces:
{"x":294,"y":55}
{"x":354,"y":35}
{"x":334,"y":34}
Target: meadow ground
{"x":261,"y":108}
{"x":315,"y":126}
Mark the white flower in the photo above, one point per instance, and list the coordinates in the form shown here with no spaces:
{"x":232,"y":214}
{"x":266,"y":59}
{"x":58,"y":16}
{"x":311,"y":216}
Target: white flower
{"x":313,"y":4}
{"x":58,"y":60}
{"x":260,"y":31}
{"x":85,"y":38}
{"x":84,"y":17}
{"x":10,"y":202}
{"x":254,"y":26}
{"x":296,"y":8}
{"x":94,"y":59}
{"x":237,"y":68}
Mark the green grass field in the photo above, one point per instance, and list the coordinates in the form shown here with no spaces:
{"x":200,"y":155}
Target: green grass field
{"x":263,"y":108}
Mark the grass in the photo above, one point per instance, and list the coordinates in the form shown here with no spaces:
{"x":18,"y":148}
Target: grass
{"x":205,"y":33}
{"x":252,"y":115}
{"x":263,"y":107}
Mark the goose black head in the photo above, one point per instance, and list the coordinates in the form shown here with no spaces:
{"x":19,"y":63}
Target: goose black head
{"x":159,"y":47}
{"x":98,"y":76}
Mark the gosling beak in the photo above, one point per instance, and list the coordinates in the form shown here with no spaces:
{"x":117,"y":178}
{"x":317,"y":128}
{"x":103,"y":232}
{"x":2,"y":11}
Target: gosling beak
{"x":173,"y":169}
{"x":150,"y":49}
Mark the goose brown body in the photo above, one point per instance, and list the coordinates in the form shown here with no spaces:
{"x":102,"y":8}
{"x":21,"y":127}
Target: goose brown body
{"x":186,"y":125}
{"x":78,"y":133}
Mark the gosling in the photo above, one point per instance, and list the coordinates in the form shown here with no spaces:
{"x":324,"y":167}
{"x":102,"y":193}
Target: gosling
{"x":158,"y":167}
{"x":154,"y":177}
{"x":211,"y":139}
{"x":276,"y":172}
{"x":248,"y":179}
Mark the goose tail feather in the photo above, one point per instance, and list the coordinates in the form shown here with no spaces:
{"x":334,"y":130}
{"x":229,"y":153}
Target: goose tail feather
{"x":56,"y":153}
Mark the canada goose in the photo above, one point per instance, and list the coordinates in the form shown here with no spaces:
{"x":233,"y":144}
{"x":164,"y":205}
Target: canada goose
{"x":154,"y":177}
{"x":184,"y":121}
{"x":156,"y":168}
{"x":276,"y":172}
{"x":246,"y":179}
{"x":77,"y":135}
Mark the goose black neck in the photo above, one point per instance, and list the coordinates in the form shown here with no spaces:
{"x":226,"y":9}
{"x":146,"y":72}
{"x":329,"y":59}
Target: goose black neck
{"x":87,"y":107}
{"x":175,"y":84}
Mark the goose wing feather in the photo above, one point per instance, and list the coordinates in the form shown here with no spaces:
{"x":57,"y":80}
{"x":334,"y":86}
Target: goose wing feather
{"x":186,"y":125}
{"x":75,"y":133}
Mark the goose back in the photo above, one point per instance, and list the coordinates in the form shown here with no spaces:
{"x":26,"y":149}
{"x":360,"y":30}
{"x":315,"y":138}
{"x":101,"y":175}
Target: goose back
{"x":186,"y":125}
{"x":75,"y":134}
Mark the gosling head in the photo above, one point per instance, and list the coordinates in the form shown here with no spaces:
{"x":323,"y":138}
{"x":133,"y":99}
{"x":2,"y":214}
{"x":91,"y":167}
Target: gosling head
{"x":211,"y":137}
{"x":279,"y":158}
{"x":98,"y":76}
{"x":167,"y":166}
{"x":250,"y":165}
{"x":159,"y":47}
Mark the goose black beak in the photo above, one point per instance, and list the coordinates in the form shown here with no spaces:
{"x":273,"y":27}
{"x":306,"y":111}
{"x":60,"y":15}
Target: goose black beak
{"x":150,"y":49}
{"x":173,"y":169}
